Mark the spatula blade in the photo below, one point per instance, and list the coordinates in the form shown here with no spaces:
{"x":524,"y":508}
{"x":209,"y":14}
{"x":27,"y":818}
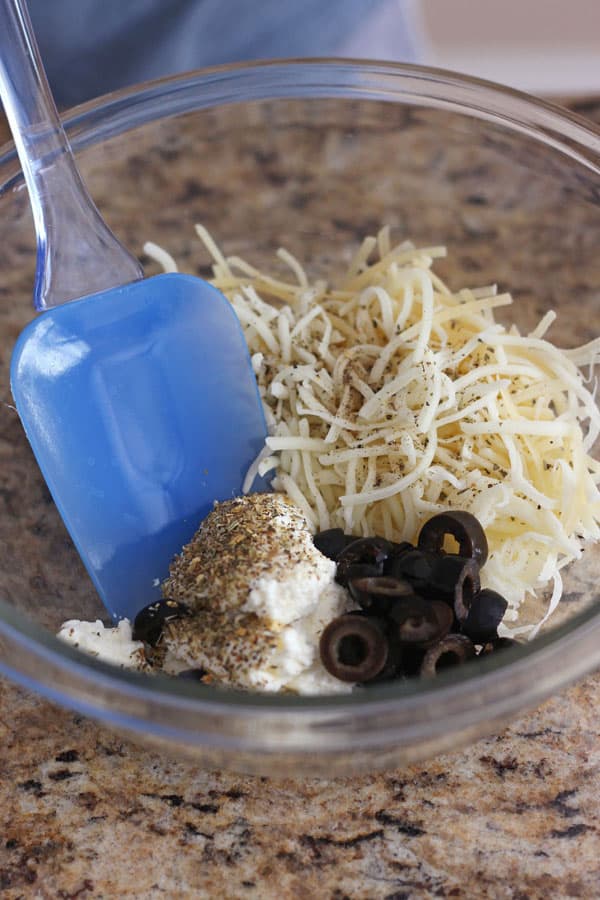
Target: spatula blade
{"x":142,"y":409}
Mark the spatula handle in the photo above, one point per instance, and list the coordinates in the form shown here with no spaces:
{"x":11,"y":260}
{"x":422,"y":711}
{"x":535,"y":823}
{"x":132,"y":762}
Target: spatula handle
{"x":77,"y":254}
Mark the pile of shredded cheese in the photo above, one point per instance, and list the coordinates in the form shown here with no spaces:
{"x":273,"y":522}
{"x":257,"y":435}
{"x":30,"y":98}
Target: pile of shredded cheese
{"x":389,"y":397}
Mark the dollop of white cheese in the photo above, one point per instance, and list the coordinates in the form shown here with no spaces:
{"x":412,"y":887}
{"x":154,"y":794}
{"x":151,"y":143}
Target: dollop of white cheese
{"x":295,"y":664}
{"x":260,"y":595}
{"x":112,"y":644}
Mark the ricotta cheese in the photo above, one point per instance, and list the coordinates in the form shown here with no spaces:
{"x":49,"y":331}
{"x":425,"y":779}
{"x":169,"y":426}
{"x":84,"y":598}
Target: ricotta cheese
{"x":112,"y":644}
{"x":260,"y":595}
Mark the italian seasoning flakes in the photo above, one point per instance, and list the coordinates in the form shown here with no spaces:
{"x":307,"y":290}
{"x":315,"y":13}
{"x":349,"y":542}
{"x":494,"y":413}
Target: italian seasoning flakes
{"x":238,"y":542}
{"x":258,"y":594}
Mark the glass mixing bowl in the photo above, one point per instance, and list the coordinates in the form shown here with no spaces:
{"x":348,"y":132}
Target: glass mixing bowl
{"x":311,"y":156}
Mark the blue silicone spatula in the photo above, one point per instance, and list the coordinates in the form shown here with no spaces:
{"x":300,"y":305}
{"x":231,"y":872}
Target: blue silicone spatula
{"x":137,"y":395}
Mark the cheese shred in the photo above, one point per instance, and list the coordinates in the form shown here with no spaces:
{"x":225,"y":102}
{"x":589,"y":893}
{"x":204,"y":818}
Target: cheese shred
{"x":389,"y":397}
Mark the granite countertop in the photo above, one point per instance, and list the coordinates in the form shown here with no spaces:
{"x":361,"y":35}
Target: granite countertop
{"x":89,"y":815}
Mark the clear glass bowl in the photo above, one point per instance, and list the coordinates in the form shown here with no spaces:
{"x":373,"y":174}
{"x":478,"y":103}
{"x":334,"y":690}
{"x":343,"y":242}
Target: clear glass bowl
{"x":311,"y":156}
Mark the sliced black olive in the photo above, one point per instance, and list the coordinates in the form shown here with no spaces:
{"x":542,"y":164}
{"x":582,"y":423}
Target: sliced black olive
{"x":465,"y":589}
{"x":403,"y":662}
{"x":463,"y":527}
{"x":393,"y":667}
{"x":354,"y":648}
{"x":418,"y":621}
{"x":378,"y":593}
{"x":362,"y":570}
{"x":373,"y":551}
{"x":408,"y":606}
{"x":398,"y":549}
{"x":485,"y":614}
{"x":454,"y":579}
{"x":149,"y":623}
{"x":502,"y":643}
{"x":453,"y":650}
{"x":414,"y":566}
{"x":192,"y":674}
{"x":331,"y":542}
{"x":428,"y":629}
{"x":411,"y":658}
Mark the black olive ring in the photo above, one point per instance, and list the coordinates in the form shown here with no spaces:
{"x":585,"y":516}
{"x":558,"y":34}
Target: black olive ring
{"x":485,"y":614}
{"x":149,"y":623}
{"x":456,"y":579}
{"x":463,"y":527}
{"x":453,"y":650}
{"x":422,"y":623}
{"x":354,"y":648}
{"x":378,"y":593}
{"x":371,"y":550}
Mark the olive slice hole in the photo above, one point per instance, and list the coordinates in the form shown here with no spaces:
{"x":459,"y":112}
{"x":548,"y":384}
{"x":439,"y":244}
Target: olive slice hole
{"x":450,"y":544}
{"x":448,"y":660}
{"x":352,"y":650}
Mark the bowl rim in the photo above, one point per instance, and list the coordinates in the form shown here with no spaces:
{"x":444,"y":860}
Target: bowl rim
{"x":104,"y":112}
{"x":120,"y":696}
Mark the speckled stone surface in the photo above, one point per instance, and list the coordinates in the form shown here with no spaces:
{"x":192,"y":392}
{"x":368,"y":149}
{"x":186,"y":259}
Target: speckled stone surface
{"x":86,"y":814}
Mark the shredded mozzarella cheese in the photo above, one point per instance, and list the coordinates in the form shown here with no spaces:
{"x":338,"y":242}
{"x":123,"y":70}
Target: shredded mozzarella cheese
{"x":391,"y":397}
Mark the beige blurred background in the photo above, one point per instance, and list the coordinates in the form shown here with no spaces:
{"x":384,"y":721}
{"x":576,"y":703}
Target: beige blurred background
{"x":542,"y":46}
{"x":547,"y":47}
